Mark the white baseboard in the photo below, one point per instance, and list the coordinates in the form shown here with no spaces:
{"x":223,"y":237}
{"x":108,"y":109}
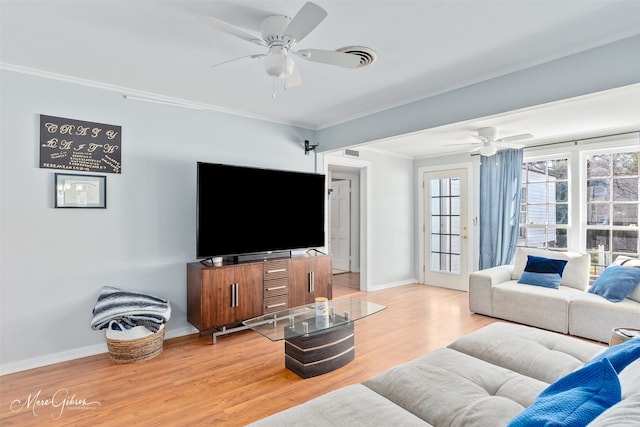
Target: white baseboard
{"x":393,"y":284}
{"x":77,"y":353}
{"x":50,"y":359}
{"x":180,"y":332}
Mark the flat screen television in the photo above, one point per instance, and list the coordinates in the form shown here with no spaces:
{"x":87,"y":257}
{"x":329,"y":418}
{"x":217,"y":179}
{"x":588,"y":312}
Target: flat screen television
{"x":244,"y":210}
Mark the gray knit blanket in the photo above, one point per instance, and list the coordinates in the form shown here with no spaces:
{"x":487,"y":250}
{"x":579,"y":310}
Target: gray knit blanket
{"x":130,"y":308}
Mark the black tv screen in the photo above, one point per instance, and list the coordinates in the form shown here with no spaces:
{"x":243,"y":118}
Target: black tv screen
{"x":244,"y":210}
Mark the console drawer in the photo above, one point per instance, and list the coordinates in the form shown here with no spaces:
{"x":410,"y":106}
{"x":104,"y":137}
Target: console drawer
{"x":276,"y":303}
{"x":276,"y":269}
{"x":276,"y":287}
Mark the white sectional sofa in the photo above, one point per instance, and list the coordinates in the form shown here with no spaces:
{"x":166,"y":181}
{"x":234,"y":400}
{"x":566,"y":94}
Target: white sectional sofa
{"x":570,"y":309}
{"x":483,"y":379}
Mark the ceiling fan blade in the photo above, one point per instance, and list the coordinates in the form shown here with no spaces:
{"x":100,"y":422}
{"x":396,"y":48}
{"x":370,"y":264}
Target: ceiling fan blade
{"x":516,"y":137}
{"x":330,"y":57}
{"x":479,"y":138}
{"x":230,"y":29}
{"x":472,"y":144}
{"x":239,"y":61}
{"x":307,"y":18}
{"x":293,"y":80}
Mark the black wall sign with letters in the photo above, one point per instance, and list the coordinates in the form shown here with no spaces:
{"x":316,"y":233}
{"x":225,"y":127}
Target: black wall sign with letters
{"x":81,"y":146}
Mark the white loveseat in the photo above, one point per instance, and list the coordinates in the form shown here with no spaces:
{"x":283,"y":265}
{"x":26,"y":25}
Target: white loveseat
{"x":570,"y":309}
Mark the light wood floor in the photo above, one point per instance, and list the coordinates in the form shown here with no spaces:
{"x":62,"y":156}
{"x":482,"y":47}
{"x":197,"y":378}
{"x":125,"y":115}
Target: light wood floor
{"x":239,"y":380}
{"x":345,"y":284}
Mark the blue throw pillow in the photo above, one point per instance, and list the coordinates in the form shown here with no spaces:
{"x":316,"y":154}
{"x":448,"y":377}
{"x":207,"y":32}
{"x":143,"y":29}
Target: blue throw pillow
{"x":547,"y":280}
{"x":541,"y":271}
{"x":538,"y":264}
{"x":575,"y":399}
{"x":620,"y":355}
{"x":616,"y":282}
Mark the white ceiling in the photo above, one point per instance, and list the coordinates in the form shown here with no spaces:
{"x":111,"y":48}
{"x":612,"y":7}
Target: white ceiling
{"x":161,"y":49}
{"x":605,"y":113}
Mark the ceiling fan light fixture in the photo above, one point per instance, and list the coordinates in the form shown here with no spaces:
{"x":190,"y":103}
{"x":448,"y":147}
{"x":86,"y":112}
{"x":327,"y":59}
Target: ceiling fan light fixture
{"x":278,"y":63}
{"x":488,"y":150}
{"x":280,"y":34}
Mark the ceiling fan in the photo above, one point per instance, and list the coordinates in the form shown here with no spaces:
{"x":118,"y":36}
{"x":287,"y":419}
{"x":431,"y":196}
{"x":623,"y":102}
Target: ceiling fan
{"x":280,"y":34}
{"x":490,"y":143}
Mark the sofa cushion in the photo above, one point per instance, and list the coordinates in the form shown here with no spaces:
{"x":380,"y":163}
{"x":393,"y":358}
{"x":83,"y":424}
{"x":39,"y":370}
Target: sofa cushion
{"x":449,"y":388}
{"x":575,"y":399}
{"x":630,"y":379}
{"x":541,"y":271}
{"x":622,"y":414}
{"x":546,"y":280}
{"x":539,"y":264}
{"x":630,"y":262}
{"x":351,"y":405}
{"x":534,"y":305}
{"x":539,"y":354}
{"x":616,"y":282}
{"x":593,"y":317}
{"x":629,"y":408}
{"x":635,"y":294}
{"x":627,"y":261}
{"x":576,"y":272}
{"x":481,"y":285}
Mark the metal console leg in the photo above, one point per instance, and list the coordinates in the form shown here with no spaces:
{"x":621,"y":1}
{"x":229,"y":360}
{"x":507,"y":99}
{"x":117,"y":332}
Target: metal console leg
{"x":224,"y":331}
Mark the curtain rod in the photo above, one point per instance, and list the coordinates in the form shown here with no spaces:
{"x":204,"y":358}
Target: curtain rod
{"x":575,"y":141}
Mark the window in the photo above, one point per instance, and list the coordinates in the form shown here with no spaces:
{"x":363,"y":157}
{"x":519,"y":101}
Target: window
{"x":612,"y":207}
{"x":584,"y":200}
{"x":445,"y":225}
{"x":544,"y":211}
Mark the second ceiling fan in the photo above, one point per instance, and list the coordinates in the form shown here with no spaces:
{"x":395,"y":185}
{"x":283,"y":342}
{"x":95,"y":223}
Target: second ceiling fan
{"x":280,"y":34}
{"x":490,"y":143}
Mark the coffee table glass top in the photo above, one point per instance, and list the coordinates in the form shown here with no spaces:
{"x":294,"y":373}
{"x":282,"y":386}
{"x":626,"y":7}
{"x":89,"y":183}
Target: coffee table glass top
{"x":299,"y":321}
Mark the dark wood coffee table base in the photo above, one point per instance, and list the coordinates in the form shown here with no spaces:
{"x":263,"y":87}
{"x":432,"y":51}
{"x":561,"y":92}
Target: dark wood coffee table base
{"x":321,"y":352}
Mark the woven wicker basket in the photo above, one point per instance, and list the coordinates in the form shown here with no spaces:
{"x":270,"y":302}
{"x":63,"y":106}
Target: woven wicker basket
{"x":136,"y":350}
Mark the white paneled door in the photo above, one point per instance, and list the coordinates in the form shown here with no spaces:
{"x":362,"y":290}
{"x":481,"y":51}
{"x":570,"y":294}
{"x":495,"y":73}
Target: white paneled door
{"x":446,"y":233}
{"x":341,"y":224}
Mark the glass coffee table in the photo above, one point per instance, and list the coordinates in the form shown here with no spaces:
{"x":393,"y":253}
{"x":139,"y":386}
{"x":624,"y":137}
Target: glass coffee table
{"x":315,"y":345}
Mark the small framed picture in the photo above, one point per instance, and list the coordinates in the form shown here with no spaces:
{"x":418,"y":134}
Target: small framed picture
{"x":80,"y":191}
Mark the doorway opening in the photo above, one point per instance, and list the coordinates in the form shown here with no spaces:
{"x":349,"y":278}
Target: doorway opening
{"x":347,"y":225}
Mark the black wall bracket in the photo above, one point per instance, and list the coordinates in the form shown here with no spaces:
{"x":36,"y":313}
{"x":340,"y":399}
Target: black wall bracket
{"x":308,"y":147}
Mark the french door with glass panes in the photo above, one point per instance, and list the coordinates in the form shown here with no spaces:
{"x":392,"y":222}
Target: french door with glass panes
{"x":446,"y":234}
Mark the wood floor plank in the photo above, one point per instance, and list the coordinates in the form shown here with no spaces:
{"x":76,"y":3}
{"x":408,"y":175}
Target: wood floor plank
{"x":240,"y":379}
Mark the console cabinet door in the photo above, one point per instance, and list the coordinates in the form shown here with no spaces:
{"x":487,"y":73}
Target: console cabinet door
{"x":228,"y":295}
{"x":309,"y":277}
{"x":249,"y":294}
{"x":217,"y":291}
{"x":299,"y":292}
{"x":323,"y":276}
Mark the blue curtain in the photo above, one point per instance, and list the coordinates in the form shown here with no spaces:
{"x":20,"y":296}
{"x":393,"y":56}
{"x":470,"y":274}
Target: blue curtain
{"x":500,"y":190}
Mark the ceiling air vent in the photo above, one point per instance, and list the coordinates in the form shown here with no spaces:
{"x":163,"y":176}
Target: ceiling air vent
{"x":367,"y":55}
{"x":352,"y":153}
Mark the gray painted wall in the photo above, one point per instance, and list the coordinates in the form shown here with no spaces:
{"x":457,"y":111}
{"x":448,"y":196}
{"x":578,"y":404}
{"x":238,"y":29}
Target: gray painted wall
{"x":53,"y":262}
{"x":606,"y":67}
{"x":391,"y":213}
